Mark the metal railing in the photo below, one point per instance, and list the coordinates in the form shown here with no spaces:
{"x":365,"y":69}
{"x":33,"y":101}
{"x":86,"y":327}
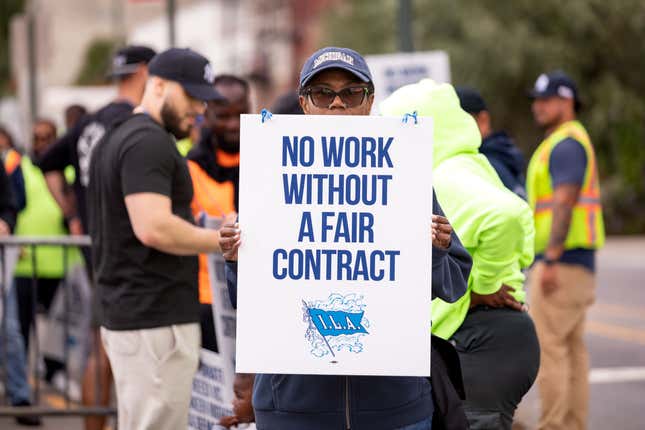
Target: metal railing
{"x":34,"y":242}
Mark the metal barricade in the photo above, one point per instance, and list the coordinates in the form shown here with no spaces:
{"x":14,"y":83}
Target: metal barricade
{"x":33,"y":242}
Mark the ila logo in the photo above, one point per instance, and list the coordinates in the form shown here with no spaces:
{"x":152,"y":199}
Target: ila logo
{"x":335,"y":324}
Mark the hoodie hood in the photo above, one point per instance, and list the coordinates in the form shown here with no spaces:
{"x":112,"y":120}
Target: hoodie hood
{"x":501,"y":147}
{"x":494,"y":225}
{"x":455,"y":131}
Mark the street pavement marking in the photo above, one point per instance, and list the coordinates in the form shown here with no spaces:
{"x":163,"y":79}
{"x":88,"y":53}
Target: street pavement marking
{"x":616,"y":374}
{"x":616,"y":332}
{"x":614,"y":310}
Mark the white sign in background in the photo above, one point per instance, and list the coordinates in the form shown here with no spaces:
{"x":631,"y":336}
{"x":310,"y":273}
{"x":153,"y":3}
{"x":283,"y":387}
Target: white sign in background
{"x":373,"y":319}
{"x":392,"y":71}
{"x":212,"y":395}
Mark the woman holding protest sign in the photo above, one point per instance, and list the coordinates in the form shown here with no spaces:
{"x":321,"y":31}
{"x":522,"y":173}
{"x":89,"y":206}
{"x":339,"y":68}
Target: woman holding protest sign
{"x":337,"y":81}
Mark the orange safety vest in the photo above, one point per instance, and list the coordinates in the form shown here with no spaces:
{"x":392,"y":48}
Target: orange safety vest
{"x":216,"y":199}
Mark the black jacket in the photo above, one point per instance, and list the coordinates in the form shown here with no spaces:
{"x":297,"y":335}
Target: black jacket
{"x":507,"y":160}
{"x":8,"y":207}
{"x":290,"y":402}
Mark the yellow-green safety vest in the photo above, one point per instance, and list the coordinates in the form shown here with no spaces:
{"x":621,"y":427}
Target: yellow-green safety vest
{"x":41,"y":217}
{"x":587,"y":227}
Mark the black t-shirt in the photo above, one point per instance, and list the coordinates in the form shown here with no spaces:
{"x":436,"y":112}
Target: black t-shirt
{"x":139,"y":287}
{"x":75,"y":148}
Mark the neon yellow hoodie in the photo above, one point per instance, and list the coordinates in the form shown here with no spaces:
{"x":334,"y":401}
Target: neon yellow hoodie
{"x":494,"y":225}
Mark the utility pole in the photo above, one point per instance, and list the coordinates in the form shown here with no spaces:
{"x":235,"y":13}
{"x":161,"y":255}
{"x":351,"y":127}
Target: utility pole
{"x":405,"y":26}
{"x":32,"y":54}
{"x":170,"y":11}
{"x":118,"y":25}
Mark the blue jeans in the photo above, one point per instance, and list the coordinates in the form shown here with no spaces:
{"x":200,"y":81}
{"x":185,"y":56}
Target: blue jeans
{"x":422,"y":425}
{"x":17,"y":386}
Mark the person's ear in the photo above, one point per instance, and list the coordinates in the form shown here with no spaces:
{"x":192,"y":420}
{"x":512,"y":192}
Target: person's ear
{"x":370,"y":102}
{"x":142,"y":70}
{"x":484,"y":117}
{"x":304,"y":104}
{"x":159,"y":86}
{"x":570,"y":106}
{"x":483,"y":123}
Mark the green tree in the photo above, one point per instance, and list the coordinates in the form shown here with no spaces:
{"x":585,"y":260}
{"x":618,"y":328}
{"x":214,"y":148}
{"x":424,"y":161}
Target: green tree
{"x":97,"y":62}
{"x":8,"y":8}
{"x":501,"y":47}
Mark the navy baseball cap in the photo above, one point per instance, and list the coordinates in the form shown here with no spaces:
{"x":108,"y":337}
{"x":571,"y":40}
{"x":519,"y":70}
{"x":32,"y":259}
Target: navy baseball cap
{"x":126,"y":60}
{"x":335,"y":58}
{"x":556,"y":84}
{"x":470,"y":100}
{"x":188,"y":68}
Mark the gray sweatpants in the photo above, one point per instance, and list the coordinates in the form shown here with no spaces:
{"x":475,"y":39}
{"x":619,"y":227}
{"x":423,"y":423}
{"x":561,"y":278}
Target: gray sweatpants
{"x":500,"y":358}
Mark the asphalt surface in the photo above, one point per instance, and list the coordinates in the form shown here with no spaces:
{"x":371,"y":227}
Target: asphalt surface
{"x":616,"y":341}
{"x":615,"y":338}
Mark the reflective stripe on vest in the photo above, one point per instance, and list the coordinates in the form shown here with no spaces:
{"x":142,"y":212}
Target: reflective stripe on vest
{"x":587,"y":228}
{"x":587,"y":202}
{"x":12,"y":161}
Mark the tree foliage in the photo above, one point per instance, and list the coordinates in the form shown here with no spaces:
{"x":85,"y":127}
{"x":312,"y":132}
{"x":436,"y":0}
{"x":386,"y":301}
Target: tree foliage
{"x":501,"y":47}
{"x":97,"y":62}
{"x":8,"y":8}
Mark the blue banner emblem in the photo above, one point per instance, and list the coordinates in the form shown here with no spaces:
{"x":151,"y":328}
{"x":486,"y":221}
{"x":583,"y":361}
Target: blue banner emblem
{"x":335,"y":323}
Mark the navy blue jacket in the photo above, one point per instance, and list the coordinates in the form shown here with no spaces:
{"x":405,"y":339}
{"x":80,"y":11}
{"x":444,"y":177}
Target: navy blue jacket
{"x":314,"y":402}
{"x":507,"y":160}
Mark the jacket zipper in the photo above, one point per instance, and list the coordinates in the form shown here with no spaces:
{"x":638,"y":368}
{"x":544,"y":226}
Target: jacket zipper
{"x":347,"y":423}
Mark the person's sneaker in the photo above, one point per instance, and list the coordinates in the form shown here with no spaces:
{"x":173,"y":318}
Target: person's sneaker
{"x":27,"y":420}
{"x":58,"y":382}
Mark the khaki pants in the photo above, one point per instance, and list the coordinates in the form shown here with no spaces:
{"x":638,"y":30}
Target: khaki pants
{"x":563,"y":379}
{"x":153,"y":374}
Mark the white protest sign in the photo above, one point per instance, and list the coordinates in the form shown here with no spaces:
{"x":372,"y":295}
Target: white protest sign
{"x":335,"y":263}
{"x":208,"y":402}
{"x":212,"y":396}
{"x":392,"y":71}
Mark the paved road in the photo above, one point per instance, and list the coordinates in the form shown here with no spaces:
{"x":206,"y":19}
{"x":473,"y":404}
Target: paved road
{"x":616,"y":341}
{"x":615,"y":336}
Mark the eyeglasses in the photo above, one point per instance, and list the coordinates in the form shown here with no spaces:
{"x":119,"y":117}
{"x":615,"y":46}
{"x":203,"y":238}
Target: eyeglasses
{"x":323,"y":97}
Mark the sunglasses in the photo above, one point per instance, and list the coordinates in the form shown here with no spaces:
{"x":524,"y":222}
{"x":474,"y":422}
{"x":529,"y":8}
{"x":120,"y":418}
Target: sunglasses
{"x":323,"y":97}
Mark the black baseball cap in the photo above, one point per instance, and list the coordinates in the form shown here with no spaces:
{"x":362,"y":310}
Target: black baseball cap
{"x":126,"y":60}
{"x":470,"y":100}
{"x":556,"y":84}
{"x":335,"y":58}
{"x":190,"y":69}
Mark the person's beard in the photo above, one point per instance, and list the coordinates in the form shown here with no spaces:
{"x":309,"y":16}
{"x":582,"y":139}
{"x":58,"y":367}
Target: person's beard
{"x":172,"y":122}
